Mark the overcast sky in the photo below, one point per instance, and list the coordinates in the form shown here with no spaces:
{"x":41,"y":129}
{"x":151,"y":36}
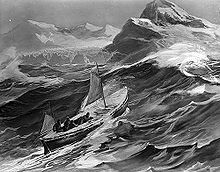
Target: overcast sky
{"x":100,"y":12}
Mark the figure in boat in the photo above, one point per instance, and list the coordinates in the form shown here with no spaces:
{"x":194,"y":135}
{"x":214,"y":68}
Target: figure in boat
{"x":83,"y":119}
{"x":72,"y":124}
{"x":66,"y":125}
{"x":90,"y":116}
{"x":57,"y":126}
{"x":69,"y":124}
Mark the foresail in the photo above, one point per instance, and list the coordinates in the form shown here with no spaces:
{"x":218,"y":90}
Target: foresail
{"x":95,"y":90}
{"x":47,"y":125}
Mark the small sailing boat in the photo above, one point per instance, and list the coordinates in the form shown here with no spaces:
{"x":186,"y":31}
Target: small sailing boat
{"x":97,"y":104}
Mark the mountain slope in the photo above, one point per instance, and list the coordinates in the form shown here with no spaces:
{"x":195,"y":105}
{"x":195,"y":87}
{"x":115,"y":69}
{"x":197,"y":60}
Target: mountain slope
{"x":25,"y":38}
{"x":162,"y":12}
{"x":88,"y":30}
{"x":31,"y":36}
{"x":160,"y":25}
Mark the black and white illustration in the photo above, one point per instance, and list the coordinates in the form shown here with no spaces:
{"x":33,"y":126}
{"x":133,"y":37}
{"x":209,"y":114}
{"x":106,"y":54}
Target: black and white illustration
{"x":110,"y":85}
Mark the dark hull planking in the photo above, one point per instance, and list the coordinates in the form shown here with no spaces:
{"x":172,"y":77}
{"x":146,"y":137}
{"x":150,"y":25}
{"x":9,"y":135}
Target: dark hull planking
{"x":66,"y":140}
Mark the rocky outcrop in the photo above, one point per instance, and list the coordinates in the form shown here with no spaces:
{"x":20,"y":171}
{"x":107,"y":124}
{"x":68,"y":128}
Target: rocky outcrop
{"x":150,"y":31}
{"x":162,"y":12}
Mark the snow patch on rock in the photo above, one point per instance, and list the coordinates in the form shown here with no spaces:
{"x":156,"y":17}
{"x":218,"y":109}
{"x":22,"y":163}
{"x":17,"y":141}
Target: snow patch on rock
{"x":92,"y":27}
{"x":44,"y":38}
{"x":43,"y":25}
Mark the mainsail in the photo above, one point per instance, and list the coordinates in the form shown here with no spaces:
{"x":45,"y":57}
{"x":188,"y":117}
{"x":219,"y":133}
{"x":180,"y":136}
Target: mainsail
{"x":47,"y":125}
{"x":95,"y":90}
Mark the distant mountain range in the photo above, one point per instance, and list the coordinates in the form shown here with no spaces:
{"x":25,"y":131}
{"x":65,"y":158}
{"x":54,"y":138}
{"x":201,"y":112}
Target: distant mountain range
{"x":88,"y":30}
{"x":31,"y":36}
{"x":36,"y":43}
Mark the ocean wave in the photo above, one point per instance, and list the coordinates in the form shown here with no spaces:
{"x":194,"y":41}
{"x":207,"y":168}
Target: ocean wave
{"x":175,"y":117}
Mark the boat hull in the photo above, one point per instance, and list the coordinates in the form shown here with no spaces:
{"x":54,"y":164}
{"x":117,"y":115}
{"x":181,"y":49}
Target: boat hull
{"x":54,"y":143}
{"x":51,"y":145}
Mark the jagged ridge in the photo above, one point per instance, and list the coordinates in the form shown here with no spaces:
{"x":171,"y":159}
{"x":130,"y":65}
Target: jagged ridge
{"x":160,"y":25}
{"x":163,"y":12}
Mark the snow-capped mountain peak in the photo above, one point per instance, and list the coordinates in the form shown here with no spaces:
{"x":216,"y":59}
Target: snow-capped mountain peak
{"x":111,"y":30}
{"x":163,"y":12}
{"x":142,"y":21}
{"x":174,"y":11}
{"x":88,"y":30}
{"x":43,"y":25}
{"x":87,"y":26}
{"x":92,"y":27}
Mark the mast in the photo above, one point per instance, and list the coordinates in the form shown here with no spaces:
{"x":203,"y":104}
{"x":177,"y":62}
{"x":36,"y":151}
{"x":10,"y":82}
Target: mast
{"x":51,"y":112}
{"x":101,"y":86}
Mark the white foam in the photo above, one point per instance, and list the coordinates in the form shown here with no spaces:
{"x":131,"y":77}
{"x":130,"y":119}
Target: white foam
{"x":12,"y":71}
{"x":197,"y":90}
{"x":178,"y":54}
{"x":91,"y":160}
{"x":184,"y":55}
{"x":7,"y":55}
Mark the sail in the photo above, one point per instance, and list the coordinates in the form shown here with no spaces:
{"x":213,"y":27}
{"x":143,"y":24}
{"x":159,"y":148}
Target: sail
{"x":47,"y":125}
{"x":95,"y":90}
